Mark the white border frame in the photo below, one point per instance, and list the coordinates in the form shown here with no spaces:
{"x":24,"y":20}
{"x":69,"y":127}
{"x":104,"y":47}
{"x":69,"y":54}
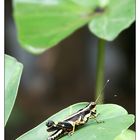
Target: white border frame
{"x":2,"y":70}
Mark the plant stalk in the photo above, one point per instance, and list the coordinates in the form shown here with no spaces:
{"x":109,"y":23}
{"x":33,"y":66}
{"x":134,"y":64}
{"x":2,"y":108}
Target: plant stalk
{"x":100,"y":70}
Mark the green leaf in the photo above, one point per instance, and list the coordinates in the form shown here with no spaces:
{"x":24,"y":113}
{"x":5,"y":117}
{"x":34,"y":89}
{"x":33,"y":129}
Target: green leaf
{"x":42,"y":24}
{"x":116,"y":120}
{"x":13,"y":71}
{"x":117,"y":16}
{"x":126,"y":135}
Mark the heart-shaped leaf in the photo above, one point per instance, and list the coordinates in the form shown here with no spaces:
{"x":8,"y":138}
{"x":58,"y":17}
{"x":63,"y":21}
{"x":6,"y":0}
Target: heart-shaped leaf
{"x":13,"y":71}
{"x":117,"y":16}
{"x":41,"y":24}
{"x":116,"y":120}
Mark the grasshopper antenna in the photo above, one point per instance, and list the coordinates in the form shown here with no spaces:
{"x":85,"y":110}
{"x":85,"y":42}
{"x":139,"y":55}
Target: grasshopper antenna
{"x":101,"y":92}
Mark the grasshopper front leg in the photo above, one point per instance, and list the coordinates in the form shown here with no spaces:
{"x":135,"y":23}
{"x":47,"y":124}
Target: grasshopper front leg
{"x":94,"y":116}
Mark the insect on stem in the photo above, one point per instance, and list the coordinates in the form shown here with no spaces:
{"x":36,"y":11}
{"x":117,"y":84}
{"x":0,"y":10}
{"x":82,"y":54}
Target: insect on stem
{"x":101,"y":91}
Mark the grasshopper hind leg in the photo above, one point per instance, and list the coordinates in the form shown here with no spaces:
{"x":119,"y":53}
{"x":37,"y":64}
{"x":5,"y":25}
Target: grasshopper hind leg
{"x":56,"y":135}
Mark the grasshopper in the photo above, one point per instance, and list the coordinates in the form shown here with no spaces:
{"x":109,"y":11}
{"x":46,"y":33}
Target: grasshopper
{"x":68,"y":125}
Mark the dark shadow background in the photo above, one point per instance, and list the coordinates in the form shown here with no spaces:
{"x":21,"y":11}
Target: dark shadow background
{"x":66,"y":74}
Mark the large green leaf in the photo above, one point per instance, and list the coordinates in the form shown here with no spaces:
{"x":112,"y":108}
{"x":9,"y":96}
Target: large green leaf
{"x":13,"y":71}
{"x":41,"y":24}
{"x":116,"y":120}
{"x":118,"y":16}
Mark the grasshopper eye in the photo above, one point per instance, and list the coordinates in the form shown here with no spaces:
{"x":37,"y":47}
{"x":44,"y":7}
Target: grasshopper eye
{"x":49,"y":123}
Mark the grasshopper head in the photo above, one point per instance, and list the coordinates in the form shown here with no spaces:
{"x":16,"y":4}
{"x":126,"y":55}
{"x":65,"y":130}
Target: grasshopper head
{"x":92,"y":107}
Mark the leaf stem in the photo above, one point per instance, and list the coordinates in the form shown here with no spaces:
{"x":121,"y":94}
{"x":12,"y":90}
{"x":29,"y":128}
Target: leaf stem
{"x":100,"y":70}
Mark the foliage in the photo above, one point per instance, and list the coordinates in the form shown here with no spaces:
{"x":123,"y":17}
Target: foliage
{"x":13,"y":71}
{"x":116,"y":119}
{"x":41,"y":24}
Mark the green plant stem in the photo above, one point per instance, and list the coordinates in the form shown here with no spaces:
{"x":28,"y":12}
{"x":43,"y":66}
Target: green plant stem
{"x":100,"y":70}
